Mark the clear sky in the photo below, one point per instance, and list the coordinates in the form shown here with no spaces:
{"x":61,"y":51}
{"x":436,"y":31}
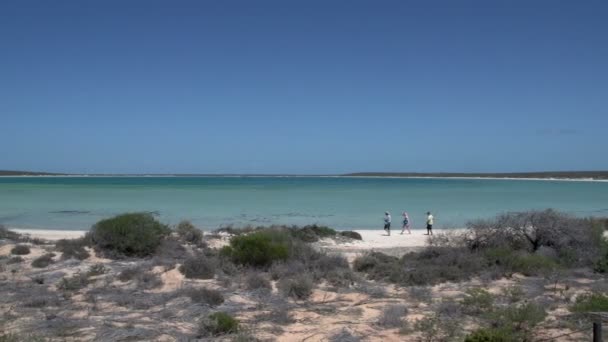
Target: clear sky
{"x":144,"y":86}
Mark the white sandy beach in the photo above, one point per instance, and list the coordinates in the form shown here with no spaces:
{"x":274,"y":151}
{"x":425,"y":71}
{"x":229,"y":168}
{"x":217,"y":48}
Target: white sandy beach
{"x":372,"y":238}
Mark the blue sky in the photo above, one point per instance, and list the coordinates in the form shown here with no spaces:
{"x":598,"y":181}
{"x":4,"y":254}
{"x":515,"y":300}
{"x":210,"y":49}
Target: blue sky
{"x":303,"y":86}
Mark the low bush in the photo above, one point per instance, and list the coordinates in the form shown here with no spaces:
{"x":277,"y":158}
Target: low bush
{"x":344,"y":336}
{"x":6,"y":234}
{"x":145,"y":280}
{"x":392,"y":316}
{"x":351,"y":235}
{"x":297,"y":287}
{"x":96,"y":269}
{"x":593,"y":302}
{"x":189,"y":233}
{"x":259,"y":248}
{"x":312,"y":233}
{"x":477,"y":301}
{"x":73,"y":248}
{"x":217,"y":324}
{"x":517,"y":320}
{"x":199,"y":267}
{"x":74,"y":283}
{"x":256,"y":281}
{"x":288,"y":268}
{"x":492,"y":335}
{"x":20,"y":250}
{"x":134,"y":234}
{"x":43,"y":261}
{"x":203,"y":296}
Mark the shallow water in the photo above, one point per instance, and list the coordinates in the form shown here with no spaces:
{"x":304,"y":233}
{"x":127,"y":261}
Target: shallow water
{"x":340,"y":202}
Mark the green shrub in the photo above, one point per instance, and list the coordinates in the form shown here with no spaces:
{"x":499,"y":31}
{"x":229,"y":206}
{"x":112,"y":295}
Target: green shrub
{"x":189,"y":233}
{"x":517,"y":320}
{"x":219,"y":323}
{"x":312,"y":233}
{"x":20,"y":250}
{"x":96,"y":269}
{"x":76,"y":282}
{"x":259,"y":248}
{"x":73,"y":248}
{"x":198,"y":267}
{"x":593,"y":302}
{"x":477,"y":300}
{"x":297,"y":287}
{"x":351,"y":235}
{"x":533,"y":264}
{"x":43,"y":260}
{"x":491,"y":335}
{"x":15,"y":260}
{"x":135,"y":234}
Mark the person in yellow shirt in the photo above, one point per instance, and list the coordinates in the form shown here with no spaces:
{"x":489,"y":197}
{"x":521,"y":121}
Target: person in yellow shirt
{"x":429,"y":223}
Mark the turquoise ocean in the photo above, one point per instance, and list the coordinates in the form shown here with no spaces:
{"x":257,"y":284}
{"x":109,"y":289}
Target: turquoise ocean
{"x":75,"y":203}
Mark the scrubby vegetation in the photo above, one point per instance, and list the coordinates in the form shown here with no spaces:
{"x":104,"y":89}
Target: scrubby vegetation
{"x":135,"y":234}
{"x":20,"y":250}
{"x":43,"y":261}
{"x":73,"y":248}
{"x":536,"y":243}
{"x":219,"y":323}
{"x":463,"y":287}
{"x":189,"y":233}
{"x":351,"y":235}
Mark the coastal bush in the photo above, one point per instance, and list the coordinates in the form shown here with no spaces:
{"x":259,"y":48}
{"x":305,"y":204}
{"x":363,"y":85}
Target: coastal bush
{"x":6,"y":234}
{"x":43,"y":261}
{"x":15,"y":260}
{"x":96,"y":269}
{"x":217,"y":324}
{"x":199,"y":267}
{"x":593,"y":302}
{"x":491,"y":335}
{"x":287,"y":268}
{"x":477,"y":301}
{"x":312,"y":233}
{"x":344,"y":336}
{"x":74,"y":283}
{"x":134,"y":234}
{"x":72,"y":248}
{"x":351,"y":235}
{"x":297,"y":287}
{"x":203,"y":296}
{"x":189,"y":233}
{"x":578,"y":241}
{"x":392,"y":316}
{"x":256,"y":281}
{"x":517,"y":320}
{"x":144,"y":279}
{"x":259,"y":248}
{"x":20,"y":250}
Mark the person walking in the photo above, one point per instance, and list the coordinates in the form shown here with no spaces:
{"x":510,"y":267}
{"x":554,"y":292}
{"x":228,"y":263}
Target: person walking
{"x":429,"y":223}
{"x":406,"y":223}
{"x":387,"y":222}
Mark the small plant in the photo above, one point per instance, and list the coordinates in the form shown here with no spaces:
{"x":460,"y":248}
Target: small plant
{"x":217,"y":324}
{"x":392,"y":316}
{"x":189,"y":233}
{"x":513,"y":294}
{"x":351,"y":235}
{"x":43,"y":261}
{"x":198,"y":267}
{"x":259,"y":248}
{"x":517,"y":320}
{"x":593,"y":302}
{"x":20,"y":250}
{"x":297,"y":287}
{"x":491,"y":335}
{"x":344,"y":336}
{"x":76,"y":282}
{"x":477,"y":300}
{"x":72,"y":249}
{"x":203,"y":296}
{"x":135,"y":234}
{"x":97,"y":269}
{"x":256,"y":281}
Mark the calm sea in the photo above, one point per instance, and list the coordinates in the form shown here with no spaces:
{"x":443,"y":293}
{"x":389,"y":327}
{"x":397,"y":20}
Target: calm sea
{"x":342,"y":203}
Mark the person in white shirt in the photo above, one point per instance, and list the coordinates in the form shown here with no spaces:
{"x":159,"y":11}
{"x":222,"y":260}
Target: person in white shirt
{"x":429,"y":223}
{"x":387,"y":222}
